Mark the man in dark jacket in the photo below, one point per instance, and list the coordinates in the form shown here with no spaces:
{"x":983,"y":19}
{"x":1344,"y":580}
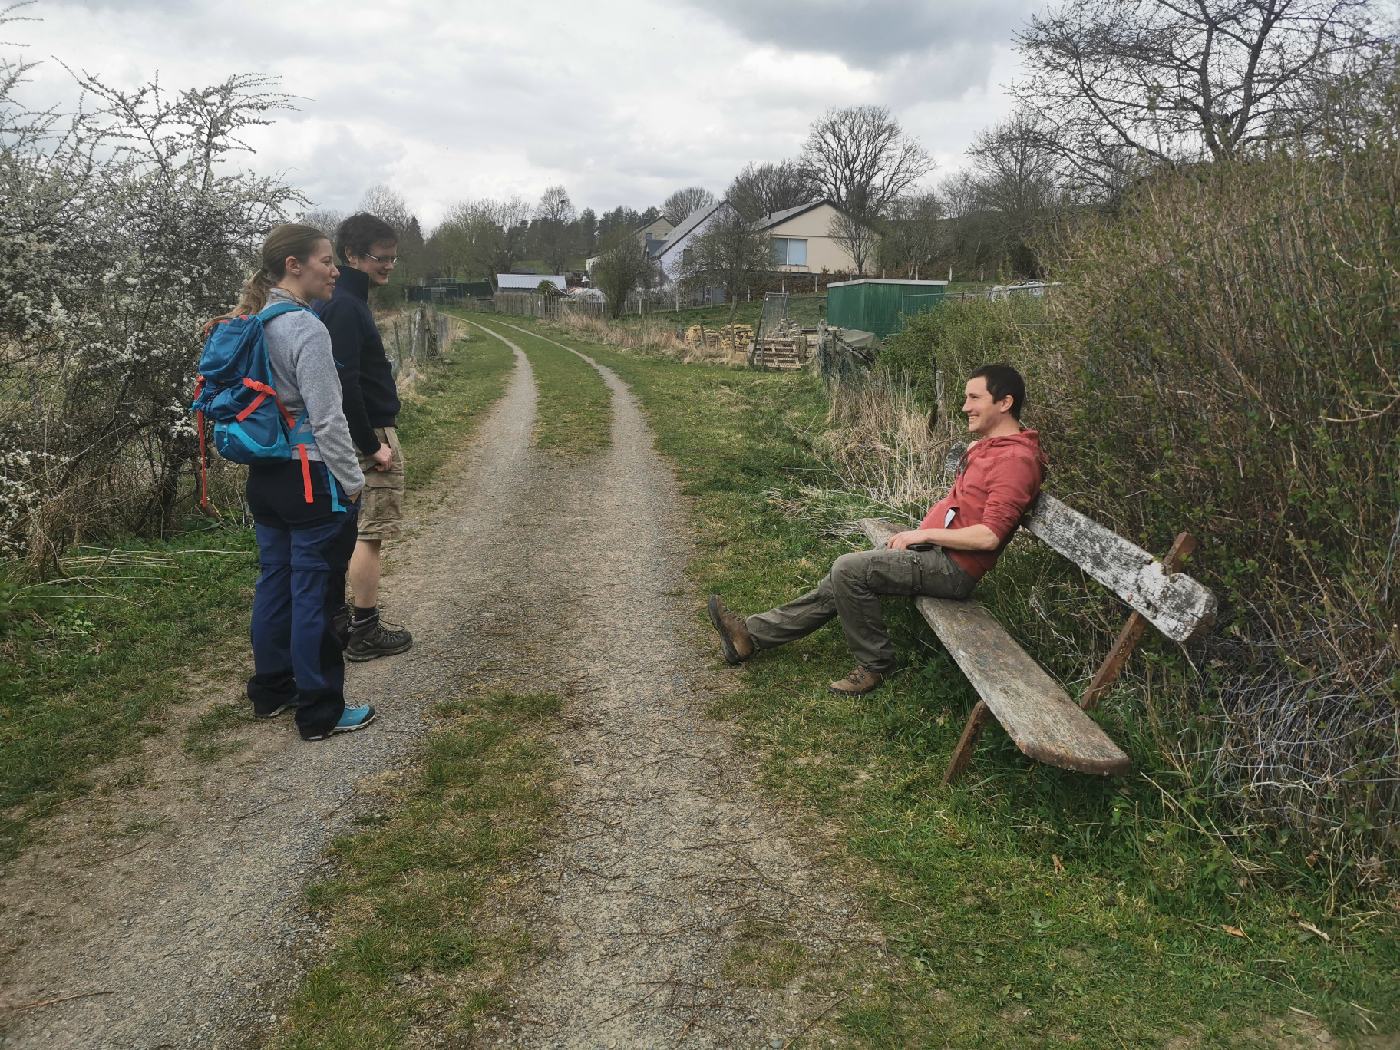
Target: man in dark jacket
{"x":368,"y":250}
{"x":959,"y":539}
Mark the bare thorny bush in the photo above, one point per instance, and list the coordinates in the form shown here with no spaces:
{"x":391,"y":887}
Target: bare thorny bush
{"x":124,"y":229}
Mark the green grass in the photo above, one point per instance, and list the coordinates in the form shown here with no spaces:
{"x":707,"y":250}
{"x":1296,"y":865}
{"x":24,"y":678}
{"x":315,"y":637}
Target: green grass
{"x":444,"y":407}
{"x":88,"y":666}
{"x":1031,"y":906}
{"x":573,"y":411}
{"x":411,"y":949}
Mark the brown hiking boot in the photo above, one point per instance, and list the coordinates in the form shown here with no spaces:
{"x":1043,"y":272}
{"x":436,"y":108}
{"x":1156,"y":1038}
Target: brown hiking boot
{"x":733,"y":635}
{"x":859,"y":682}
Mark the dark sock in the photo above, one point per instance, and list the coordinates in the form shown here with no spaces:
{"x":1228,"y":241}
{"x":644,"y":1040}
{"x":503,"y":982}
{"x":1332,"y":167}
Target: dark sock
{"x":364,"y":616}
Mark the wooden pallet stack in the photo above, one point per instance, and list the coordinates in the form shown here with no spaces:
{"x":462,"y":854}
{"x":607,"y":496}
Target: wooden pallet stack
{"x":724,"y":343}
{"x":785,"y":348}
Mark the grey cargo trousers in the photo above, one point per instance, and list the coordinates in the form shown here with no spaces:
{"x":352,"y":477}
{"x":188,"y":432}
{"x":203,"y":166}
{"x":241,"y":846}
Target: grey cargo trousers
{"x":852,"y":590}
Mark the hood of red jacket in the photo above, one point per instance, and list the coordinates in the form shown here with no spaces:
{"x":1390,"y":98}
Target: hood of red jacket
{"x":1024,"y":439}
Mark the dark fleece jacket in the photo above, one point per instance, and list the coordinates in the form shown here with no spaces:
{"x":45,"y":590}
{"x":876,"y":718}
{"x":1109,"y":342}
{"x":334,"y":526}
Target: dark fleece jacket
{"x":366,"y":377}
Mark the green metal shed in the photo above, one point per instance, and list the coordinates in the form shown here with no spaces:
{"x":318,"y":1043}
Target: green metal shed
{"x":880,"y":306}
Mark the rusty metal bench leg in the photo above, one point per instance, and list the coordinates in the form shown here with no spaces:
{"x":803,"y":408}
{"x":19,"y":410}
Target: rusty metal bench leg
{"x":962,"y":754}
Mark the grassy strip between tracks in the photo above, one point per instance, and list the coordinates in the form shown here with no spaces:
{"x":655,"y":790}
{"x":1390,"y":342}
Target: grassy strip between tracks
{"x":573,"y":412}
{"x":412,"y":951}
{"x":1030,"y":906}
{"x":88,"y":664}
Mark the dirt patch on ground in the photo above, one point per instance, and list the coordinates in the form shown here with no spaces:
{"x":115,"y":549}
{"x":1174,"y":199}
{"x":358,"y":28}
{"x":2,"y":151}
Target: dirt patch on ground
{"x":673,"y":907}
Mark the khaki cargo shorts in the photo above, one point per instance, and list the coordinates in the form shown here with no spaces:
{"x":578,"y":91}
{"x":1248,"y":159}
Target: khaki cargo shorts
{"x":381,"y":504}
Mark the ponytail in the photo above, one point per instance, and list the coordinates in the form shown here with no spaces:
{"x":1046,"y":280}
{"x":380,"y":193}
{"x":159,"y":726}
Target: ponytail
{"x":288,"y":240}
{"x":253,"y":296}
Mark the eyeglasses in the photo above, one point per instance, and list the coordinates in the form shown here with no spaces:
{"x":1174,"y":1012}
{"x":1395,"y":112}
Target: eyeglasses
{"x":387,"y":260}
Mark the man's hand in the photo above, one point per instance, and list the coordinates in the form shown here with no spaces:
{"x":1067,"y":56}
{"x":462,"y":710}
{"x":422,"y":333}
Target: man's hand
{"x":904,"y":540}
{"x":382,"y":457}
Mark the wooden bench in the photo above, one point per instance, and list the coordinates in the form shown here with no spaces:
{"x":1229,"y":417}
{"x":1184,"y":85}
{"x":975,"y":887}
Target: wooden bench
{"x":1035,"y":710}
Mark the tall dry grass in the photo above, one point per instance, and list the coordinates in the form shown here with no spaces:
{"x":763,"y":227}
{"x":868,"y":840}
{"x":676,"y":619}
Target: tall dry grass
{"x":878,"y":440}
{"x":647,"y":336}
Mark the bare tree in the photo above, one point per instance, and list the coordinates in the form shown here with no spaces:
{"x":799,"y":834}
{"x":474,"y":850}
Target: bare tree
{"x":555,"y":205}
{"x":856,"y":235}
{"x":761,"y":189}
{"x":1128,"y":84}
{"x":512,"y":215}
{"x":681,"y":203}
{"x":385,"y":202}
{"x":1016,"y":171}
{"x":1019,"y":181}
{"x":965,"y":238}
{"x":861,"y":159}
{"x":324,"y":219}
{"x":729,"y":254}
{"x":622,"y":267}
{"x":913,"y":234}
{"x":553,"y":227}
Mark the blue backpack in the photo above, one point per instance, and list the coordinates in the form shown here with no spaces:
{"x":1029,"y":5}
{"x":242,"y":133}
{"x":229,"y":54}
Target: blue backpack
{"x":235,"y":391}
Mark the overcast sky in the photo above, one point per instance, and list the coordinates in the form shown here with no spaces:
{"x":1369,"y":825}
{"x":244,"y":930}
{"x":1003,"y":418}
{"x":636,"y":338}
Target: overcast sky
{"x":621,"y":102}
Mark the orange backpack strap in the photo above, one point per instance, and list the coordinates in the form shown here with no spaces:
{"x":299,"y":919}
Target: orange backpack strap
{"x":305,"y":474}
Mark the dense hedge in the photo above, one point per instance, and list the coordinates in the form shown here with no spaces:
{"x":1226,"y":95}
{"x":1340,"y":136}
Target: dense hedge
{"x":1223,"y":356}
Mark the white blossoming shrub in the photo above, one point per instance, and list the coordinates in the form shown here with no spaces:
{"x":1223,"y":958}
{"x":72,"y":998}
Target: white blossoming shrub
{"x":123,"y":232}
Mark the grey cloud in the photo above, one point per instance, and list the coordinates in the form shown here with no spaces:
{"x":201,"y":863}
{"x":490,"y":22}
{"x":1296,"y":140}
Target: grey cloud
{"x":871,"y":34}
{"x":622,"y":105}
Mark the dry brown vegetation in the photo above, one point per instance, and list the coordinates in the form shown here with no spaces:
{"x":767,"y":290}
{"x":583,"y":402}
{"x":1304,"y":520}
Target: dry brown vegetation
{"x":652,"y":336}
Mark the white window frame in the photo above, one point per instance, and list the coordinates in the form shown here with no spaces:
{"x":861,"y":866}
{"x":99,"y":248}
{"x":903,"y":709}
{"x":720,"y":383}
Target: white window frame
{"x":786,"y":244}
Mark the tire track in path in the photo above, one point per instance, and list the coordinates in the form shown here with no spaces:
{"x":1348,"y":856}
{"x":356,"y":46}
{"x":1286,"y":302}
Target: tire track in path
{"x":671,"y":877}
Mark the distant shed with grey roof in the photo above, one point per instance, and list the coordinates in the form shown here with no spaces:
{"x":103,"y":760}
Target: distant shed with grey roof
{"x":529,"y":282}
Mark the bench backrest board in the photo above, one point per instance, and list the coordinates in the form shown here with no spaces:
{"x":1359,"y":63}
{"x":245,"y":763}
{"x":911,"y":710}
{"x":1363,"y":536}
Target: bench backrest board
{"x":1174,"y":603}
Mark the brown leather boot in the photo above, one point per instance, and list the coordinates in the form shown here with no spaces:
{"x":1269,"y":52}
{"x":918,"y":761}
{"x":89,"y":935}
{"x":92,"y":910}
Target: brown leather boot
{"x":859,"y":682}
{"x":733,"y":635}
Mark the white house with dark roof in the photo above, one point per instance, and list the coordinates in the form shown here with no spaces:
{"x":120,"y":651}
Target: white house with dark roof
{"x":671,"y":255}
{"x":801,"y":239}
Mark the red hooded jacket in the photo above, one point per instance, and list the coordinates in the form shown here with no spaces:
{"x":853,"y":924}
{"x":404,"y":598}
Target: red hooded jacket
{"x":998,"y":481}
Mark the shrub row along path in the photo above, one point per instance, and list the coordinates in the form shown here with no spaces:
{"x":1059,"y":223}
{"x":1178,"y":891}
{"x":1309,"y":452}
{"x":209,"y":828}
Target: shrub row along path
{"x":169,"y":914}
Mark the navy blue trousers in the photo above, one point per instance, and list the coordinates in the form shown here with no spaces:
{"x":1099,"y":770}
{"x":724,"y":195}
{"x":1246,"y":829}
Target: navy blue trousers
{"x":304,"y":550}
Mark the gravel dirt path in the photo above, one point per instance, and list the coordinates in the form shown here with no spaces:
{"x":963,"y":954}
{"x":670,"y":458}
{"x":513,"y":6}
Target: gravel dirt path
{"x":169,"y":914}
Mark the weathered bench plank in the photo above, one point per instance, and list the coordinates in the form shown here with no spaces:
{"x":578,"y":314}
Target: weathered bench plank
{"x":1036,"y":712}
{"x":1174,"y":603}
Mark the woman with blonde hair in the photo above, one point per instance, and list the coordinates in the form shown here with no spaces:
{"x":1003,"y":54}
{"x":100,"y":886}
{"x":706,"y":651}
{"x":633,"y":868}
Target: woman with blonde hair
{"x":304,"y":508}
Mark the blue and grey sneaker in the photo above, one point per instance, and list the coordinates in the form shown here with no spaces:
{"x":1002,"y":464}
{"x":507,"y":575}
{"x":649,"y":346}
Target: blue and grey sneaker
{"x":354,"y":718}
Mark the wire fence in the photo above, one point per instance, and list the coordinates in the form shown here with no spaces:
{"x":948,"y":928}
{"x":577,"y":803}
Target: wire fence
{"x":415,"y":337}
{"x":840,"y":360}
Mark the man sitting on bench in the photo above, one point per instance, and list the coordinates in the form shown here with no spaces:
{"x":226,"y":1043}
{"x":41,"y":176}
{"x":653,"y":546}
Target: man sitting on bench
{"x":957,"y":542}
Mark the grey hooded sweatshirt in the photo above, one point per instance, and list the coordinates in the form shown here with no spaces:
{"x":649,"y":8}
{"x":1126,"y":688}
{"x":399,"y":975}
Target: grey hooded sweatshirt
{"x":303,"y":371}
